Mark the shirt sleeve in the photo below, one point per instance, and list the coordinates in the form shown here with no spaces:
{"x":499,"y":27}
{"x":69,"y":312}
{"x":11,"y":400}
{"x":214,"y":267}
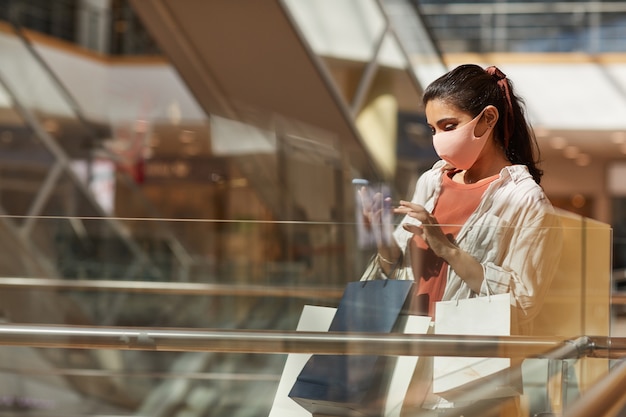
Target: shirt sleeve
{"x":424,"y":191}
{"x":529,"y":265}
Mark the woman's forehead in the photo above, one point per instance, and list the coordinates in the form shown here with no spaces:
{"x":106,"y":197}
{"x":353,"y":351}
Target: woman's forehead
{"x":437,"y":109}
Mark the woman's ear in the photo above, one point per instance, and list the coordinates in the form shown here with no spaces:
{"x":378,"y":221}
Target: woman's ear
{"x":491,"y":115}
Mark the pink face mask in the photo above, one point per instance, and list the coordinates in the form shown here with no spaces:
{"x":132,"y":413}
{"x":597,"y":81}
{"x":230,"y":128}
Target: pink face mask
{"x":460,"y":147}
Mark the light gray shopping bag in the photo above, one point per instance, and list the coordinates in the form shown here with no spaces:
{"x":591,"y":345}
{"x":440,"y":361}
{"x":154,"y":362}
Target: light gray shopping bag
{"x":481,"y":316}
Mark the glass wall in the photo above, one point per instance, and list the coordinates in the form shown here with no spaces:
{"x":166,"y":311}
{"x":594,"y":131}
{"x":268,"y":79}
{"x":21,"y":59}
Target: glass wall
{"x":537,"y":26}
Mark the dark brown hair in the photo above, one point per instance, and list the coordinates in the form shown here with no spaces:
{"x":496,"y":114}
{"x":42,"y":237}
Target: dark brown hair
{"x":471,"y":88}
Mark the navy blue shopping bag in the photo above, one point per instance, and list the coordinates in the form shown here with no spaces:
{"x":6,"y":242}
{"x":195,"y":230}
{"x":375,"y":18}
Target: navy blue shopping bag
{"x":354,"y":385}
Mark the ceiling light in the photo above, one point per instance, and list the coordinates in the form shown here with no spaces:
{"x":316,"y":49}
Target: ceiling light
{"x":558,"y":142}
{"x":174,"y":113}
{"x":578,"y":200}
{"x":187,"y":136}
{"x":570,"y":152}
{"x":141,"y":126}
{"x":582,"y":159}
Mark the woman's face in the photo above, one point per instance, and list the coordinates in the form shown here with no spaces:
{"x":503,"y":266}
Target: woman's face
{"x":442,"y":116}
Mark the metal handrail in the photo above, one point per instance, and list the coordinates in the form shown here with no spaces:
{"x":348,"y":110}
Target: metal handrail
{"x":173,"y":288}
{"x":601,"y":400}
{"x":604,"y":398}
{"x":263,"y":341}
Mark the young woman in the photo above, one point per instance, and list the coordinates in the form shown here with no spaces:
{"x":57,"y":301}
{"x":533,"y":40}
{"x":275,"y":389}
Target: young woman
{"x":478,"y":222}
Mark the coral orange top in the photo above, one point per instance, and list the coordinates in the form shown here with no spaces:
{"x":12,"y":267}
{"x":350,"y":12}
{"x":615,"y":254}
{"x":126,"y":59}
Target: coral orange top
{"x":453,"y":207}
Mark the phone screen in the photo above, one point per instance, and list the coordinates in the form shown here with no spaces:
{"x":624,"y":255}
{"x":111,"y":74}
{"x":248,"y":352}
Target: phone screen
{"x":373,"y":213}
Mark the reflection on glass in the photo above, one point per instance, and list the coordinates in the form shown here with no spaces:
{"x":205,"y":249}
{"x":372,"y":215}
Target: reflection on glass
{"x":242,"y":274}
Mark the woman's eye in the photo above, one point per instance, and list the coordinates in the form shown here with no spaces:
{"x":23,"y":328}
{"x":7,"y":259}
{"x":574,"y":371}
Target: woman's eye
{"x":449,"y":126}
{"x":432,"y":130}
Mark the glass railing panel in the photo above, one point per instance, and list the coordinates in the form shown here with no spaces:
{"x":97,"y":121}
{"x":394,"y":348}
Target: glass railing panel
{"x":578,"y":295}
{"x":251,"y":277}
{"x":126,"y":271}
{"x":82,"y":176}
{"x":277,"y":259}
{"x":145,"y":382}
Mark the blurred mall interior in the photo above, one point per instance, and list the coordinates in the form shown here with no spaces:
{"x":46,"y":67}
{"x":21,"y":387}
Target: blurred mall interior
{"x":187,"y":164}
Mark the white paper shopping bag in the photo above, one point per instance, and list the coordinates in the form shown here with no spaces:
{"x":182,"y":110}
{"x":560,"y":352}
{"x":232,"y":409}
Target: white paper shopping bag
{"x":490,"y":315}
{"x":405,"y":365}
{"x":312,"y":319}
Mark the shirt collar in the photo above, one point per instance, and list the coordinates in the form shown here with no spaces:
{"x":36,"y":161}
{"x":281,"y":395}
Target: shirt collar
{"x":517,"y":173}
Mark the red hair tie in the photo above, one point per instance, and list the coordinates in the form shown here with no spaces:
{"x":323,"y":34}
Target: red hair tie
{"x":509,"y":119}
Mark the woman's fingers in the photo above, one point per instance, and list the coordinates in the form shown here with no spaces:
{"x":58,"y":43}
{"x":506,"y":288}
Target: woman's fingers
{"x":413,"y":228}
{"x":428,"y":227}
{"x":414,"y":210}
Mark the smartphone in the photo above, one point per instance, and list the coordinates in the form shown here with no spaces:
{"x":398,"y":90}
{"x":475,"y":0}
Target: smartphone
{"x":373,"y":213}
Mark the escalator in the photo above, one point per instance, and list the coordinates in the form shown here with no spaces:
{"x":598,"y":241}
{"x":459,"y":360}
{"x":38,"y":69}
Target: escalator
{"x":55,"y":228}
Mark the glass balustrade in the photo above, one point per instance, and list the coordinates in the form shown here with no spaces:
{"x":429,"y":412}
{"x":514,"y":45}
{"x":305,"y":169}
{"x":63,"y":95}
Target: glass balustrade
{"x":106,"y":335}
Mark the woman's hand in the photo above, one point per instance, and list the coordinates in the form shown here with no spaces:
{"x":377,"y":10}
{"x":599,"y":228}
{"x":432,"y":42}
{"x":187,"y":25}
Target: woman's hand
{"x":468,"y":268}
{"x":429,"y":229}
